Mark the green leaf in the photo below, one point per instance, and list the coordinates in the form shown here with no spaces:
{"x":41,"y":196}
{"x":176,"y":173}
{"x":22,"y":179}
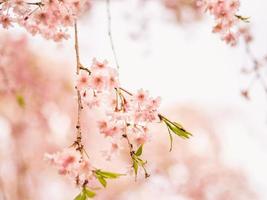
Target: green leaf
{"x":83,"y":197}
{"x":89,"y":193}
{"x":171,"y":139}
{"x":109,"y":175}
{"x":80,"y":196}
{"x":139,"y":151}
{"x":135,"y":166}
{"x":140,"y":161}
{"x":20,"y":101}
{"x":178,"y":125}
{"x":177,"y":129}
{"x":102,"y":180}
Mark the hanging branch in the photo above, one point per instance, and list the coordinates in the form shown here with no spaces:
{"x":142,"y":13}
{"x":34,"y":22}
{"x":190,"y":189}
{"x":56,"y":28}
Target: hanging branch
{"x":78,"y":141}
{"x":110,"y":34}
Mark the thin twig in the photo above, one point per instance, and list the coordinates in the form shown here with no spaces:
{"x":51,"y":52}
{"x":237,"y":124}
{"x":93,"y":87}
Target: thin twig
{"x":110,"y":34}
{"x":78,"y":63}
{"x":126,"y":91}
{"x":129,"y":143}
{"x":256,"y":70}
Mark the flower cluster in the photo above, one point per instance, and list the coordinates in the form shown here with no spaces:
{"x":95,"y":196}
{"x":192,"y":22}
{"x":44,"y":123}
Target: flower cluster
{"x":126,"y":113}
{"x":50,"y":18}
{"x":70,"y":162}
{"x":226,"y":17}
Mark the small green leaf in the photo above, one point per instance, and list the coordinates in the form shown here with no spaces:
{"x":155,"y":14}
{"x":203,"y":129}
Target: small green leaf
{"x":83,"y":197}
{"x":102,"y":180}
{"x":109,"y":175}
{"x":135,"y":166}
{"x":80,"y":196}
{"x":177,"y":129}
{"x":88,"y":193}
{"x":178,"y":125}
{"x":20,"y":101}
{"x":139,"y":151}
{"x":140,"y":161}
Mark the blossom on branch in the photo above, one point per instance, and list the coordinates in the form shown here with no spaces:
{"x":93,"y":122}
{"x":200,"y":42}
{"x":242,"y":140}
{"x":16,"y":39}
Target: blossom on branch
{"x":227,"y":20}
{"x":126,"y":115}
{"x":49,"y":18}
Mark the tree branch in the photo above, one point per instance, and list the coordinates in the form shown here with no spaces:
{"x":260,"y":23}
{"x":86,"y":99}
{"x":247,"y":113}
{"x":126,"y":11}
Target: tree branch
{"x":79,"y":100}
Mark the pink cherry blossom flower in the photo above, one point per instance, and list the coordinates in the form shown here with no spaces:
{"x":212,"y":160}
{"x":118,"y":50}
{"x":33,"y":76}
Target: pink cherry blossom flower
{"x":230,"y":38}
{"x":153,"y":104}
{"x":67,"y":20}
{"x":141,"y":96}
{"x":5,"y":20}
{"x":141,"y":139}
{"x":60,"y":36}
{"x":83,"y":80}
{"x":42,"y":17}
{"x":65,"y":161}
{"x":226,"y":18}
{"x":98,"y":65}
{"x":97,"y":82}
{"x":91,"y":99}
{"x":246,"y":34}
{"x":112,"y":79}
{"x":109,"y":128}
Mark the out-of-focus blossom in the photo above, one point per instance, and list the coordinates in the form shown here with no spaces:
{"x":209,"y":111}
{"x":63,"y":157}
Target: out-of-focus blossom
{"x":227,"y":19}
{"x":33,"y":98}
{"x":69,"y":162}
{"x":185,"y":10}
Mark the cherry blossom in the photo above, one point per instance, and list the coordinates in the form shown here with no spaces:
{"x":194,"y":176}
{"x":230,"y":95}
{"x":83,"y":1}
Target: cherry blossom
{"x":70,"y":162}
{"x":227,"y":20}
{"x":126,"y":116}
{"x":83,"y":80}
{"x":50,"y":18}
{"x":126,"y":112}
